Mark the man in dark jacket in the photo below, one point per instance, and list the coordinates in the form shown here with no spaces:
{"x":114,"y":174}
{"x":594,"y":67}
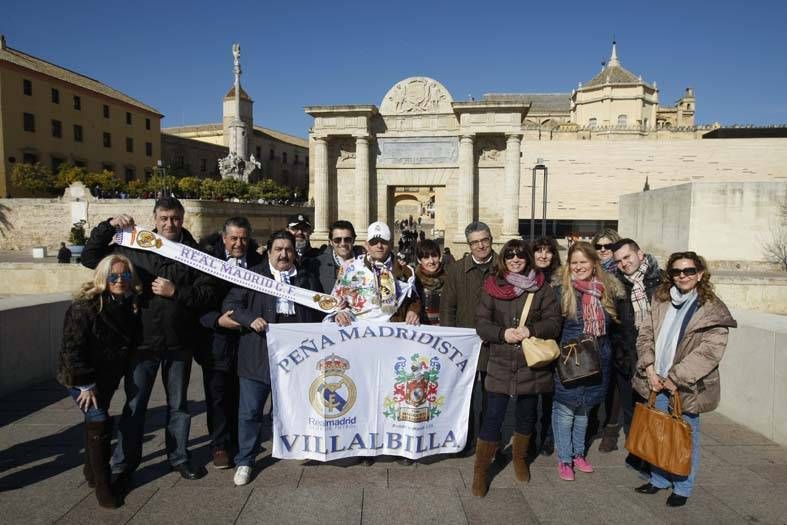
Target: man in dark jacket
{"x":341,"y":249}
{"x":63,"y":254}
{"x":173,"y":297}
{"x":300,"y":227}
{"x":458,"y":303}
{"x":254,"y":311}
{"x":639,"y":274}
{"x":218,"y":348}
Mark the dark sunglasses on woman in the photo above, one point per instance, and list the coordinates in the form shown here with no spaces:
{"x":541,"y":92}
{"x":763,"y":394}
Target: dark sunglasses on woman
{"x":675,"y":272}
{"x":510,"y":254}
{"x":112,"y":278}
{"x":609,"y":246}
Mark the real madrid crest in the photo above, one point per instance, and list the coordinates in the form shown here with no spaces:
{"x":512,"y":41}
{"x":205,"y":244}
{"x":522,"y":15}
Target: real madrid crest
{"x":148,"y":239}
{"x":332,"y":393}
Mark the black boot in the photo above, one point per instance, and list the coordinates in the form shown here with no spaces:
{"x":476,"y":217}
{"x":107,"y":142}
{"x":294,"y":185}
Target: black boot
{"x":98,"y":448}
{"x":87,"y":470}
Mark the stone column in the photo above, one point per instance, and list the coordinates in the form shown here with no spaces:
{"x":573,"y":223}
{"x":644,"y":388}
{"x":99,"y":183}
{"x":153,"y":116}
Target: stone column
{"x":511,"y":187}
{"x":465,"y":196}
{"x":361,"y":186}
{"x":321,"y":197}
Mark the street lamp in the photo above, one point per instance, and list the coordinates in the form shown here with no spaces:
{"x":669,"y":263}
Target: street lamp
{"x":538,"y":167}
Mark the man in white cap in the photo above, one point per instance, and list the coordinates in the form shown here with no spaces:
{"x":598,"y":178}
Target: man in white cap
{"x":376,"y":286}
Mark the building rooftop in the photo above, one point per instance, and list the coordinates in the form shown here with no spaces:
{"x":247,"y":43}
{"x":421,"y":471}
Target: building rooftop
{"x":539,"y":102}
{"x":614,"y":73}
{"x":231,"y":94}
{"x":218,"y":130}
{"x":23,"y":60}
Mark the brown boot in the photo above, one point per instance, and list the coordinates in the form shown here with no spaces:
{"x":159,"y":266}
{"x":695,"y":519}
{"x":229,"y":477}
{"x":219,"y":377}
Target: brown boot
{"x":519,"y":452}
{"x":98,"y":449}
{"x":87,"y":470}
{"x":609,"y":439}
{"x":484,"y":452}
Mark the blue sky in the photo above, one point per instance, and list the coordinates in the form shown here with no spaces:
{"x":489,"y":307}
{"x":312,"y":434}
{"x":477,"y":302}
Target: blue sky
{"x":176,"y":56}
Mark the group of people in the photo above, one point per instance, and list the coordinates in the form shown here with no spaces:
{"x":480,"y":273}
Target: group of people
{"x":655,"y":331}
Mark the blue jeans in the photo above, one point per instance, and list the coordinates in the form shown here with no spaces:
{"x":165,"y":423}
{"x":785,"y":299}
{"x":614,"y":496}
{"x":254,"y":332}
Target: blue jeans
{"x":495,"y":414}
{"x":138,"y":383}
{"x":93,"y":414}
{"x":569,"y":427}
{"x":682,"y":486}
{"x":253,"y":395}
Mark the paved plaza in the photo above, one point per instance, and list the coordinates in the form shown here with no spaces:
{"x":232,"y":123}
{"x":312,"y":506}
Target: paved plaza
{"x":743,"y":479}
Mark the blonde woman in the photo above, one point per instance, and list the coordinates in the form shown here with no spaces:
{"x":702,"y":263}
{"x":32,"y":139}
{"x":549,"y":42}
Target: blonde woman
{"x":587,"y":301}
{"x":99,"y":332}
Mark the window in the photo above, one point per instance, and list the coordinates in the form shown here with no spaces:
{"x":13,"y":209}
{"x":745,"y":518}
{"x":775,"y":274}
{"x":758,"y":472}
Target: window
{"x":56,"y":162}
{"x":57,"y":129}
{"x":106,"y":111}
{"x":107,"y":140}
{"x":130,"y":173}
{"x":284,"y":157}
{"x":77,"y":102}
{"x":80,"y":164}
{"x":147,"y":123}
{"x":27,"y":87}
{"x":296,"y":159}
{"x":203,"y":165}
{"x":29,"y":158}
{"x":129,"y":145}
{"x":55,"y":96}
{"x":128,"y":118}
{"x":77,"y":133}
{"x":148,"y":174}
{"x":271,"y":155}
{"x":622,"y":121}
{"x":180,"y":161}
{"x":148,"y":149}
{"x":257,"y":152}
{"x":593,"y":123}
{"x":108,"y":166}
{"x":29,"y":121}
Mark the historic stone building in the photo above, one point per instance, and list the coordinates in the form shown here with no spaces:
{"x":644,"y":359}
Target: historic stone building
{"x":50,"y":114}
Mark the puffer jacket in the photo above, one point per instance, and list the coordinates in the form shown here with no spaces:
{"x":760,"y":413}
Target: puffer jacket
{"x":507,"y":371}
{"x":695,"y":369}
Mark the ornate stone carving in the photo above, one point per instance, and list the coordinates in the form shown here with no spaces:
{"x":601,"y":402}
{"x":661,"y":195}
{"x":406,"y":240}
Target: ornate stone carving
{"x":345,"y":151}
{"x":491,"y":149}
{"x":416,"y":95}
{"x":418,"y":150}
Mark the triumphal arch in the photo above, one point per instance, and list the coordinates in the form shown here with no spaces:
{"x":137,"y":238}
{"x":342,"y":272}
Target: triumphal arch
{"x":469,"y":153}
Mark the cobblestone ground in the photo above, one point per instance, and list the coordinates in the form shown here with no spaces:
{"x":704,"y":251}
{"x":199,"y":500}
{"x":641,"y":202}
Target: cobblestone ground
{"x":743,"y":479}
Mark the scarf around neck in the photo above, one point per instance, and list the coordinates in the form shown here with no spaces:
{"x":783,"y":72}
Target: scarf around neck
{"x":431,"y":281}
{"x":609,"y":265}
{"x":639,"y":297}
{"x":592,"y":310}
{"x":515,"y":285}
{"x":668,"y":338}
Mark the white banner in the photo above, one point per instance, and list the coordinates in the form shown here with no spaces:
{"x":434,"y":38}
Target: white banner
{"x":145,"y":239}
{"x":370,"y":389}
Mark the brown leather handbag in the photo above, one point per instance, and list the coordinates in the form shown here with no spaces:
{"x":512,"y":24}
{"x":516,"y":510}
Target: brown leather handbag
{"x":579,"y":360}
{"x":660,"y":438}
{"x":538,"y":352}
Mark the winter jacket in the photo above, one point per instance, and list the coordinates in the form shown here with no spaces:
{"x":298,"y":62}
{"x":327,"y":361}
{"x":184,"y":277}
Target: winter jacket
{"x":624,"y":334}
{"x":325,"y":267}
{"x":96,"y":345}
{"x":695,"y":369}
{"x":168,"y":323}
{"x":507,"y":371}
{"x":217,"y":347}
{"x":585,"y":394}
{"x":248,"y":305}
{"x":461,"y":295}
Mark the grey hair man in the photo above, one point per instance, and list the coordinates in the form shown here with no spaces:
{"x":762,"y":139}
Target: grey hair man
{"x":461,"y":293}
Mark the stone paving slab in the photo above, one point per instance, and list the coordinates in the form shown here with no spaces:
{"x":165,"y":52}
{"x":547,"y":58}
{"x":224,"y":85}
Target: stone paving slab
{"x":742,"y":479}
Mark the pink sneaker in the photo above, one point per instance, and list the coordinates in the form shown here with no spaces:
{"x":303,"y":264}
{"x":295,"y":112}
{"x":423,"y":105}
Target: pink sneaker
{"x":565,"y":471}
{"x":582,"y":464}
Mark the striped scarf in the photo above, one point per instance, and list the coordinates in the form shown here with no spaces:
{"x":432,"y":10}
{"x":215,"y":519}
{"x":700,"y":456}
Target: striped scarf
{"x":592,"y":309}
{"x":639,"y":297}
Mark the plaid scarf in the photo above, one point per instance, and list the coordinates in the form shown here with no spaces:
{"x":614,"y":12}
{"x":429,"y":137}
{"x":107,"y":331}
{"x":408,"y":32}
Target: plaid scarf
{"x":639,"y":298}
{"x":592,"y":309}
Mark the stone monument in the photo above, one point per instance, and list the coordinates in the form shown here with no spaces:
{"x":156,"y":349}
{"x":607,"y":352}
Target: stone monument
{"x":237,"y":165}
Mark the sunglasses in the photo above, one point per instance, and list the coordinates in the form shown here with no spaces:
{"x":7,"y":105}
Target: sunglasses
{"x":688,"y":272}
{"x":376,"y":241}
{"x":112,"y":278}
{"x":339,"y":240}
{"x":604,"y":246}
{"x":510,"y":254}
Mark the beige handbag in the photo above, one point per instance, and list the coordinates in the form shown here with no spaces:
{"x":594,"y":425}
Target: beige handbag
{"x":538,"y":352}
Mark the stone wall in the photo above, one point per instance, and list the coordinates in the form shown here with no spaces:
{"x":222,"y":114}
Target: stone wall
{"x":25,"y":223}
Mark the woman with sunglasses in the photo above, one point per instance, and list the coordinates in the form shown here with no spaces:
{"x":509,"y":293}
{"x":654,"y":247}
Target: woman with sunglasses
{"x":587,"y":299}
{"x":679,"y":348}
{"x":99,"y":332}
{"x":604,"y":243}
{"x":501,"y":304}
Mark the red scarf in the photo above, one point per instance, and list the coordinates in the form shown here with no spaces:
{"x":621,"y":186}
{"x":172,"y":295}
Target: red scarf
{"x":592,"y":309}
{"x":508,"y":291}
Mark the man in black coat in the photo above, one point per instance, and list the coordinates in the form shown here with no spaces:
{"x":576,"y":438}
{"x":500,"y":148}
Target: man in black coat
{"x":341,"y":249}
{"x":218,"y":348}
{"x":254,"y":311}
{"x":174,"y":295}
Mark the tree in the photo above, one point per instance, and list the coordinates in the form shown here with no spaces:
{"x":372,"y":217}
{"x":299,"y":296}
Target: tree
{"x":209,"y":189}
{"x":775,"y":248}
{"x":136,"y":188}
{"x":233,"y":188}
{"x":35,"y":178}
{"x":68,"y":173}
{"x":189,"y":187}
{"x":106,"y":181}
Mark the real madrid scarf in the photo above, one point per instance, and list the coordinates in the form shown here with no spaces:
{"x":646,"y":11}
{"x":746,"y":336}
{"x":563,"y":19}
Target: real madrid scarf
{"x":144,"y":239}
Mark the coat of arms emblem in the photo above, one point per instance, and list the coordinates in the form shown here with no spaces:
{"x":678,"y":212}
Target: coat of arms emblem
{"x":415,"y":396}
{"x":332,"y":393}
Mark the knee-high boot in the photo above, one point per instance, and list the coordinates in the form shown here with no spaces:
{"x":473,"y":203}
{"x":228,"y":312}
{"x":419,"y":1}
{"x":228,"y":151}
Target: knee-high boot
{"x":98,"y":448}
{"x":519,"y":452}
{"x":87,"y":470}
{"x":484,"y":453}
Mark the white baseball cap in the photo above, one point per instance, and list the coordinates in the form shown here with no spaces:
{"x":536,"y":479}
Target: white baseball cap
{"x":379,"y":230}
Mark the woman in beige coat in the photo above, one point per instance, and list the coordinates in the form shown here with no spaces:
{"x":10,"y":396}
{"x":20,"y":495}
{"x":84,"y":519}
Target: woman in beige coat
{"x":679,"y":348}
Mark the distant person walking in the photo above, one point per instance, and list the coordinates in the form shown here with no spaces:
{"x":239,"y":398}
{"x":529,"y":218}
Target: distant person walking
{"x":63,"y":254}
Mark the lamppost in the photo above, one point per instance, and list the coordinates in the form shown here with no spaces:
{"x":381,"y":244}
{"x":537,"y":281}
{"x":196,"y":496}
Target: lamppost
{"x":538,"y":167}
{"x":161,"y":175}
